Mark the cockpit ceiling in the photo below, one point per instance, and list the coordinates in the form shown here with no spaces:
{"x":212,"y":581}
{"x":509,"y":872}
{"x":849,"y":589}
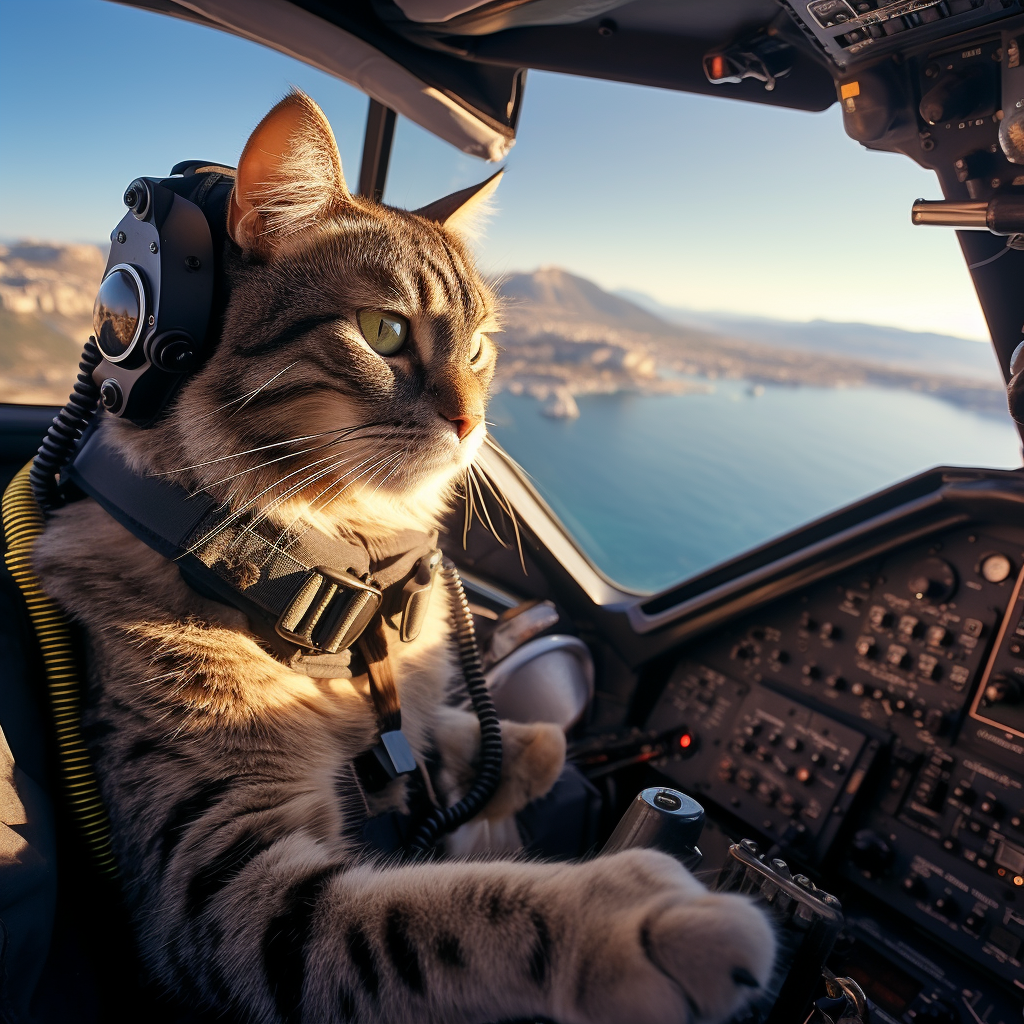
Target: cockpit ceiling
{"x":457,"y":68}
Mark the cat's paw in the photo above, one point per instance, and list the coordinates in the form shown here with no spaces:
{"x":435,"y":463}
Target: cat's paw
{"x":674,"y":953}
{"x":718,"y":951}
{"x":532,"y":757}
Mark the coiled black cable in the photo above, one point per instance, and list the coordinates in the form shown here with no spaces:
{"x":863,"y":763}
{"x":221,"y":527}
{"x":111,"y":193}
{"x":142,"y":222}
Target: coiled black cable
{"x":444,"y":820}
{"x":59,"y":444}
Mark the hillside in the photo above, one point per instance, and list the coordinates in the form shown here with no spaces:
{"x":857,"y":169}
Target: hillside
{"x":46,"y":298}
{"x":890,"y":346}
{"x":561,"y":329}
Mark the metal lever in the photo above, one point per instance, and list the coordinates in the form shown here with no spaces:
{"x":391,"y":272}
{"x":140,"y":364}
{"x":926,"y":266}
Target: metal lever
{"x":1002,"y":215}
{"x":663,"y":819}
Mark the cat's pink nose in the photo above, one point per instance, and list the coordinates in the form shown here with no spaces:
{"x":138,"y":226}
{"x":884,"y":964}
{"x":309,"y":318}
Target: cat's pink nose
{"x":464,"y":424}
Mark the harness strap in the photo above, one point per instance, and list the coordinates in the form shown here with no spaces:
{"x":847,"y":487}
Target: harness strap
{"x":310,"y":598}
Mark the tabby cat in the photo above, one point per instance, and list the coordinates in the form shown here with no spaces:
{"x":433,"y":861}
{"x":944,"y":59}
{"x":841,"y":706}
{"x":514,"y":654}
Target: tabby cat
{"x":219,"y":764}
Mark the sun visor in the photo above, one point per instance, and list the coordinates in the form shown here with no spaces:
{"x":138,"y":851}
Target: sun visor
{"x":289,"y":29}
{"x":483,"y":17}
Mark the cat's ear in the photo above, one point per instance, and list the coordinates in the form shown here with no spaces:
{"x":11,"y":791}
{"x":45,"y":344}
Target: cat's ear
{"x":289,"y":176}
{"x":464,"y":211}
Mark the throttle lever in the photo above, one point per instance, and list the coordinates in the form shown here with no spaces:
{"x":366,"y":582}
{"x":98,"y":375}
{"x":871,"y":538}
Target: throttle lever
{"x":661,"y":819}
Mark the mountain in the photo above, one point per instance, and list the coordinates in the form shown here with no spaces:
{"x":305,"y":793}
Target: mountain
{"x":890,"y":346}
{"x":565,"y":336}
{"x":556,"y":292}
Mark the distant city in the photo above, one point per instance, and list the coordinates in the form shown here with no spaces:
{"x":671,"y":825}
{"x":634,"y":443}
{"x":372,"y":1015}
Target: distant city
{"x":564,"y":337}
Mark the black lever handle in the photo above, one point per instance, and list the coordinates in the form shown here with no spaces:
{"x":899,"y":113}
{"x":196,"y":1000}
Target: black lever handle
{"x":663,"y":819}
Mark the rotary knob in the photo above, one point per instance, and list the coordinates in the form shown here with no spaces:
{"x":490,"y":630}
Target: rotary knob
{"x":932,"y":579}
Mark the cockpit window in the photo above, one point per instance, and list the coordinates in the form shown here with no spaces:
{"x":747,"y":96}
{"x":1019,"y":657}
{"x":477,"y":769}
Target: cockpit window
{"x":719,"y":320}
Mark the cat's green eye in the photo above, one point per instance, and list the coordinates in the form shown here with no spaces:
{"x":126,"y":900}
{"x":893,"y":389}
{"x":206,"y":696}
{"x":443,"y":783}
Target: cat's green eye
{"x":384,"y":332}
{"x":476,"y":347}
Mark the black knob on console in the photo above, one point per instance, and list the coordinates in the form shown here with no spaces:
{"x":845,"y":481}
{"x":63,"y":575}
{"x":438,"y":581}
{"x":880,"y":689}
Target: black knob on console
{"x":871,"y":853}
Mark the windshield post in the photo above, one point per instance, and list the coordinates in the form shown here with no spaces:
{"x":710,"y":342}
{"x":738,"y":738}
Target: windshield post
{"x":380,"y":134}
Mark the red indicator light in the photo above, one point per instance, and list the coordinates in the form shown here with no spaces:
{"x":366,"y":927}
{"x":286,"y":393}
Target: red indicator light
{"x":718,"y":67}
{"x":685,"y":740}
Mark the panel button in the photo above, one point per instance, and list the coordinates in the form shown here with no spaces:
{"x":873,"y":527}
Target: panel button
{"x":908,"y":626}
{"x":992,"y":807}
{"x":958,"y":675}
{"x":865,"y":646}
{"x":974,"y":627}
{"x":896,"y":655}
{"x":996,"y":568}
{"x":879,"y":617}
{"x":937,"y":636}
{"x":927,"y":666}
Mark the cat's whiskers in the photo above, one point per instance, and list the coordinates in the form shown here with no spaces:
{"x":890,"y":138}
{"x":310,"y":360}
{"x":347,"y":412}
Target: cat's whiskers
{"x":506,"y":507}
{"x":245,"y":399}
{"x":274,"y":444}
{"x":475,"y":483}
{"x":294,"y":489}
{"x":251,"y":502}
{"x":467,"y":519}
{"x":253,"y":394}
{"x":396,"y":457}
{"x":301,"y":485}
{"x":289,"y":455}
{"x":347,"y":484}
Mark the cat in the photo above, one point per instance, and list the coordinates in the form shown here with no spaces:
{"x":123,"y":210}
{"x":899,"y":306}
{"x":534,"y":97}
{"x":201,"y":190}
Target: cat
{"x":219,"y":764}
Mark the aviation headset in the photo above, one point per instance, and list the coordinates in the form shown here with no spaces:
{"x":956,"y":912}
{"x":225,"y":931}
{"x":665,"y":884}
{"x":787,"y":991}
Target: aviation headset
{"x":158,"y":307}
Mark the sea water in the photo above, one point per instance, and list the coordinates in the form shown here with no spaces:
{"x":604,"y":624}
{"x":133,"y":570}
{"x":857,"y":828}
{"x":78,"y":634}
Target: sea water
{"x":658,"y":488}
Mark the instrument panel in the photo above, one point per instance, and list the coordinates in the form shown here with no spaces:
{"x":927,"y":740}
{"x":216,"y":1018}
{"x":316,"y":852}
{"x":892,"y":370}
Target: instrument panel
{"x":872,"y":726}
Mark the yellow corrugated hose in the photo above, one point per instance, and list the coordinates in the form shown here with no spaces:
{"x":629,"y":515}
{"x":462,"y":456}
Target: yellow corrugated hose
{"x":23,"y":522}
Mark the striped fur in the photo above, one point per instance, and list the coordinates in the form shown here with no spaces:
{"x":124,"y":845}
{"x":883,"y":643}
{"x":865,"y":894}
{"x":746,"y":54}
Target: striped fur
{"x":229,"y":778}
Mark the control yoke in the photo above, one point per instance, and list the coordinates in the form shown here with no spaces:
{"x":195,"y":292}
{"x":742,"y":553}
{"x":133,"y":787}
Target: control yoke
{"x":806,"y":919}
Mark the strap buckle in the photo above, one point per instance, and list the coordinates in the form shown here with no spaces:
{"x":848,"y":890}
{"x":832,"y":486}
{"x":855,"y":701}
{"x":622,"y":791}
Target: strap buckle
{"x":329,"y":611}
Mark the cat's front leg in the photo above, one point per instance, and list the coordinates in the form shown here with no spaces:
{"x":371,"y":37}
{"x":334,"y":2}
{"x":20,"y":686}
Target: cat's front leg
{"x":627,"y":939}
{"x":532,"y":758}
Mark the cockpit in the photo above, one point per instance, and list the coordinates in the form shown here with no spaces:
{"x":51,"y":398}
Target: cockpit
{"x":746,"y":525}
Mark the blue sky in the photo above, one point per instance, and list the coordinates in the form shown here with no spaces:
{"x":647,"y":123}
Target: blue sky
{"x":697,"y":201}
